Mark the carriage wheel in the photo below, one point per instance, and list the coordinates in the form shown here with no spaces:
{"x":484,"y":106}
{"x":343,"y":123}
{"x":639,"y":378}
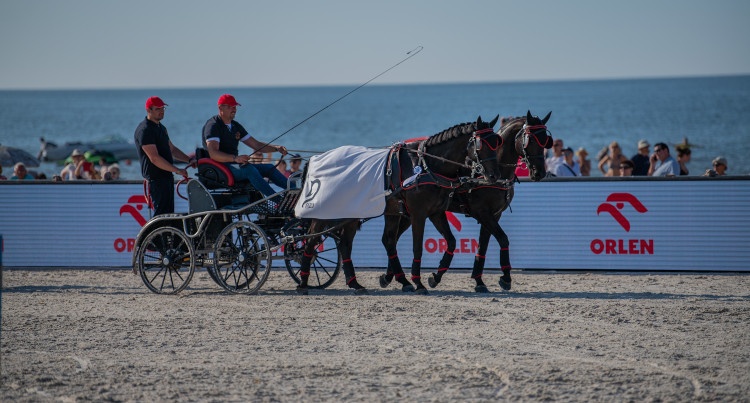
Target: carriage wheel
{"x":242,"y":258}
{"x":166,"y":261}
{"x":325,"y":265}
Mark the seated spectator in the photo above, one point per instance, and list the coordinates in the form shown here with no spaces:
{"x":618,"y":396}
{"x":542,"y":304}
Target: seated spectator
{"x":295,"y":165}
{"x":281,"y":166}
{"x":77,"y":158}
{"x":583,"y":162}
{"x":661,"y":163}
{"x":683,"y":157}
{"x":557,"y":156}
{"x":720,"y":167}
{"x":111,"y":173}
{"x":2,"y":177}
{"x":20,"y":172}
{"x":640,"y":159}
{"x":612,"y":160}
{"x":41,"y":177}
{"x":626,"y":168}
{"x":568,"y":167}
{"x":57,"y":178}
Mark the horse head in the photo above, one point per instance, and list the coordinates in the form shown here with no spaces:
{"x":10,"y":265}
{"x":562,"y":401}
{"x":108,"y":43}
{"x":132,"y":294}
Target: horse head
{"x":482,"y":150}
{"x":531,"y":143}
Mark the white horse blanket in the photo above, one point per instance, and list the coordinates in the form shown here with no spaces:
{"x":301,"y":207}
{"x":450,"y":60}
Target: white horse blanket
{"x":346,"y":182}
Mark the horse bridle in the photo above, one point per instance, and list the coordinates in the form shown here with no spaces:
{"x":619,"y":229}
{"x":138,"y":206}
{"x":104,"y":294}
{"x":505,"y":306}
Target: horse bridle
{"x":478,"y":138}
{"x":526,"y":133}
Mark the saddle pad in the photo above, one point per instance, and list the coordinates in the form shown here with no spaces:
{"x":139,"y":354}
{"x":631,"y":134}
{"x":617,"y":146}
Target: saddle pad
{"x":346,"y":182}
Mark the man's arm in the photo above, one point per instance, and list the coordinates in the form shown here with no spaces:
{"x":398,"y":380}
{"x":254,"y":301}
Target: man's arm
{"x":153,"y":155}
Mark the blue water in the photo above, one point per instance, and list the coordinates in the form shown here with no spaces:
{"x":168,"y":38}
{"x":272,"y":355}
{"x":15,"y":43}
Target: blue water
{"x":708,"y":111}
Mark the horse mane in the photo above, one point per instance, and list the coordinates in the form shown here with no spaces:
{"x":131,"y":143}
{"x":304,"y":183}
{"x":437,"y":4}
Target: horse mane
{"x":451,"y":133}
{"x":509,"y":122}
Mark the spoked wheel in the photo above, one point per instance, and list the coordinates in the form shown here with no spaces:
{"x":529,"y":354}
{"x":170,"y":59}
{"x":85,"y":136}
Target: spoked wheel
{"x":325,"y":265}
{"x":165,"y":261}
{"x":242,"y":258}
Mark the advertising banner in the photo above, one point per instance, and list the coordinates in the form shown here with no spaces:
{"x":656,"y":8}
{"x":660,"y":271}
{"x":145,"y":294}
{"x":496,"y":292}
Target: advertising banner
{"x":696,"y":225}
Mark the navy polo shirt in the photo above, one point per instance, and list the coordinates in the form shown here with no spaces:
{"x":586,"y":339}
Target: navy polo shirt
{"x":215,"y":129}
{"x":149,"y":132}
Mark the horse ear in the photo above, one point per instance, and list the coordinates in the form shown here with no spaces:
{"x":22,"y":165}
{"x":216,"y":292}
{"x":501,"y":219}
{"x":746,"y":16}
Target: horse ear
{"x":546,"y":118}
{"x":494,"y":121}
{"x":528,"y":115}
{"x":479,"y":120}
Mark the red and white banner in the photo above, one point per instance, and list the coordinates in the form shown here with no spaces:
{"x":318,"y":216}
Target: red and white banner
{"x":697,"y":225}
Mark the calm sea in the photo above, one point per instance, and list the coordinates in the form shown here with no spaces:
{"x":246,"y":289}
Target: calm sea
{"x":590,"y":114}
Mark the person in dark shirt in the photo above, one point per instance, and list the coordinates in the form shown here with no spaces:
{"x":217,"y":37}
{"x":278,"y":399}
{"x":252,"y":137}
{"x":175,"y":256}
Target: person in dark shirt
{"x":157,"y":155}
{"x":221,"y":137}
{"x":640,"y":159}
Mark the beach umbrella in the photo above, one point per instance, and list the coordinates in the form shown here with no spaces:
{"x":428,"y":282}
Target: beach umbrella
{"x":9,"y":156}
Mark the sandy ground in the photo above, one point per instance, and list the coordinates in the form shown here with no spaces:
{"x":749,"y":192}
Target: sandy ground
{"x":77,"y":335}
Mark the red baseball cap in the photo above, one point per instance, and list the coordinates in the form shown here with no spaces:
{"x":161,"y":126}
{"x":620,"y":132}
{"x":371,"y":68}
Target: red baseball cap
{"x":227,"y":99}
{"x":154,"y":102}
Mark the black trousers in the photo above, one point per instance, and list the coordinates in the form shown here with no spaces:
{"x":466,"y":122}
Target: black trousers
{"x":162,"y":195}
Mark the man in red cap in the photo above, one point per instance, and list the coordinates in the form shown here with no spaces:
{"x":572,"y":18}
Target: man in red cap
{"x":221,"y":137}
{"x":157,"y":154}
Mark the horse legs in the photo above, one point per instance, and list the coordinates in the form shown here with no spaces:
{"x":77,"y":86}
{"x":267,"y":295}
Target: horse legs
{"x":345,"y":247}
{"x":395,"y":225}
{"x":417,"y":232}
{"x":491,"y":226}
{"x":476,"y":272}
{"x":440,"y":221}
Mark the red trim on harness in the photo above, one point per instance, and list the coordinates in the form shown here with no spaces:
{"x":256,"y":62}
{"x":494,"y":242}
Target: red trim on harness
{"x":221,"y":167}
{"x":415,"y":277}
{"x":351,"y":279}
{"x":306,"y":255}
{"x":346,"y":261}
{"x":528,"y":131}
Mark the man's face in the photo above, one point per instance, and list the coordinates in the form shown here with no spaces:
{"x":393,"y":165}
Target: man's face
{"x":156,"y":113}
{"x":227,"y":112}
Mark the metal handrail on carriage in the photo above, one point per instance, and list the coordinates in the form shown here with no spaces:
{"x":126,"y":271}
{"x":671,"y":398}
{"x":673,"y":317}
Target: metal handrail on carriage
{"x":236,"y":249}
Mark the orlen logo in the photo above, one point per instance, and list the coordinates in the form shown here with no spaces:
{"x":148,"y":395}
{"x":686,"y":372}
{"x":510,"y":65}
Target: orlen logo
{"x":614,"y":206}
{"x":133,"y":209}
{"x":463,"y":245}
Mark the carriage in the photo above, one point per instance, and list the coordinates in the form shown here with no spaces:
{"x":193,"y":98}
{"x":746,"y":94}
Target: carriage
{"x":233,"y":231}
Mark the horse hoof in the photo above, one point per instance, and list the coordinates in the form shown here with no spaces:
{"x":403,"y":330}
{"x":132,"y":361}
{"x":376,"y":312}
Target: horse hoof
{"x":407,"y":288}
{"x":361,"y":291}
{"x":302,"y":290}
{"x":481,"y":289}
{"x":421,"y":291}
{"x":505,"y":285}
{"x":384,"y":281}
{"x":432,"y":281}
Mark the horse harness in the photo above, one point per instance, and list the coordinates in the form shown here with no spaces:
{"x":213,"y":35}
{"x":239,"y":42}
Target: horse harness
{"x":423,"y":175}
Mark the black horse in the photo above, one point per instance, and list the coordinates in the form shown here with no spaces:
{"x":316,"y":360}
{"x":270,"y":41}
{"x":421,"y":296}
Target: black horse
{"x":430,"y":192}
{"x":448,"y":152}
{"x":526,"y":137}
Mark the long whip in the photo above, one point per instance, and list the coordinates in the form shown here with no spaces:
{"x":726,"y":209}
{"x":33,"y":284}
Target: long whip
{"x":410,"y":54}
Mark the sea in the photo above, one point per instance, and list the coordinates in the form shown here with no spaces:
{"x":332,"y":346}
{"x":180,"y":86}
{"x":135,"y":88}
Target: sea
{"x":707,"y":112}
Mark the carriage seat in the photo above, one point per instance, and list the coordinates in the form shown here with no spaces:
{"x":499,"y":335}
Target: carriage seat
{"x":217,"y":178}
{"x":215,"y":175}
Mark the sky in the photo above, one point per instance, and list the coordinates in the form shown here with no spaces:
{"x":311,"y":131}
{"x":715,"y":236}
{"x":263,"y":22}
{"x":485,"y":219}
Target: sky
{"x":92,"y":44}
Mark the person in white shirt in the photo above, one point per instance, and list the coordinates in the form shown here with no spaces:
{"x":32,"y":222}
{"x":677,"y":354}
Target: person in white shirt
{"x":556,"y":158}
{"x":568,"y":167}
